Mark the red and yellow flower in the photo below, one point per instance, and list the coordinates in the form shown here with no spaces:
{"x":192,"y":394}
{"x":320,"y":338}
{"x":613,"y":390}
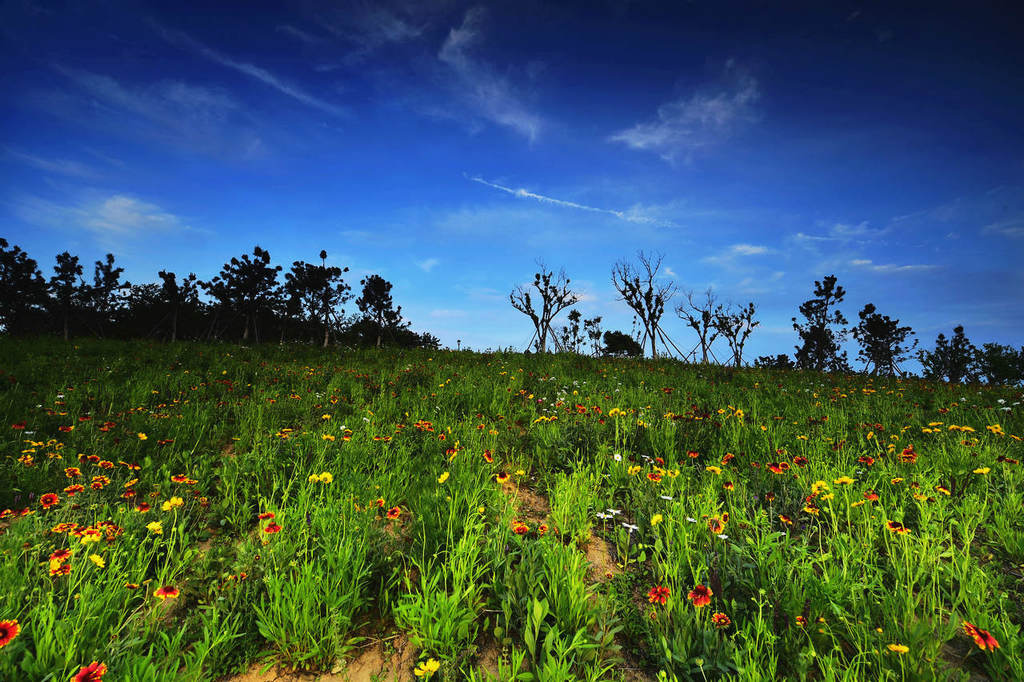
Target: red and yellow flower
{"x":93,"y":672}
{"x":9,"y":629}
{"x":700,"y":596}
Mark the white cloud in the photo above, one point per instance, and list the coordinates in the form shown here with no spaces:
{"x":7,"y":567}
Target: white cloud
{"x":888,"y":267}
{"x":111,"y":220}
{"x":735,"y":251}
{"x":1014,"y":227}
{"x":701,"y":120}
{"x":260,"y":74}
{"x":428,"y":264}
{"x":61,"y":166}
{"x":447,"y":313}
{"x":631,"y":216}
{"x":483,"y":89}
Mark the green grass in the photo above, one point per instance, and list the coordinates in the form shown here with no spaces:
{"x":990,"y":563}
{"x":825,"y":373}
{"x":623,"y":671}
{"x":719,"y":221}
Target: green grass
{"x":807,"y":476}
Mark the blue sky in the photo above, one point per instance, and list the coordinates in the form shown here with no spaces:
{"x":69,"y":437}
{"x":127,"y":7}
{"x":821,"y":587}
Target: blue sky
{"x":447,"y":146}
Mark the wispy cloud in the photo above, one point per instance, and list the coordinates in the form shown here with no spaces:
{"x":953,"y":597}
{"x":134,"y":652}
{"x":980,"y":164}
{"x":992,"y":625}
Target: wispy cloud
{"x":299,"y":34}
{"x":480,"y":86}
{"x":371,"y":25}
{"x":861,"y":232}
{"x":61,"y":166}
{"x":631,"y":216}
{"x":699,"y":121}
{"x":428,"y":264}
{"x":111,"y":219}
{"x":254,"y":72}
{"x":735,"y":251}
{"x":1013,"y":227}
{"x":880,"y":268}
{"x":184,"y":115}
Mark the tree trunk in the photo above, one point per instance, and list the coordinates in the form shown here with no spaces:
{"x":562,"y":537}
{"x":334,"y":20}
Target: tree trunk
{"x":65,"y":327}
{"x":174,"y":326}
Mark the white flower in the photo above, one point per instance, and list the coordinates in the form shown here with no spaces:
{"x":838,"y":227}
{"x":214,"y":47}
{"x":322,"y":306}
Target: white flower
{"x":630,"y":527}
{"x":614,"y":512}
{"x":617,"y":457}
{"x":1001,"y":401}
{"x":667,"y":497}
{"x":691,"y":519}
{"x":603,"y":516}
{"x":723,"y":537}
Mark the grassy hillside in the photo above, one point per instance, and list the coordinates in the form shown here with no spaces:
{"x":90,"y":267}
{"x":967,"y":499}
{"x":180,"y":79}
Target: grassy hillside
{"x":182,"y":512}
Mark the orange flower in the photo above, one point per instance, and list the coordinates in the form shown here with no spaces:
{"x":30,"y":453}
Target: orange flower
{"x":73,"y":490}
{"x":717,"y":525}
{"x":272,"y":529}
{"x":520,"y":528}
{"x":693,"y":454}
{"x":488,"y":457}
{"x":93,"y":672}
{"x":654,"y":476}
{"x":394,"y":512}
{"x":871,"y":496}
{"x":166,"y":592}
{"x":9,"y":629}
{"x":266,"y":516}
{"x":984,"y":640}
{"x":62,"y":569}
{"x":720,"y":620}
{"x":801,"y":622}
{"x":658,"y":594}
{"x":700,"y":596}
{"x":179,"y":478}
{"x":71,"y":472}
{"x":785,"y":519}
{"x":49,"y":500}
{"x":61,"y":555}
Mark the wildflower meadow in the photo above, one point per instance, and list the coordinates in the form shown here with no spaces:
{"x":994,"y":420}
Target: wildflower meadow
{"x":213,"y":512}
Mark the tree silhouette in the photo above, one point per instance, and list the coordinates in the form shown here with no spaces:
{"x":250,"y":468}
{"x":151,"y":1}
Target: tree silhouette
{"x":820,"y":350}
{"x":701,"y":316}
{"x":378,"y":308}
{"x":318,"y":291}
{"x":177,"y":296}
{"x":555,"y":296}
{"x":572,"y":334}
{"x":952,"y":359}
{"x":1000,"y":365}
{"x":106,"y":293}
{"x":249,"y":286}
{"x":780,"y":361}
{"x":592,"y":327}
{"x":68,"y":289}
{"x":882,"y":342}
{"x":23,"y":295}
{"x":619,"y":344}
{"x":735,"y":328}
{"x":647,"y":299}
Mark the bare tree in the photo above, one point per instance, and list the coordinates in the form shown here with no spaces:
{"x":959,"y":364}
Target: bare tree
{"x":700,"y":316}
{"x":736,"y":327}
{"x":555,"y":296}
{"x":646,"y":297}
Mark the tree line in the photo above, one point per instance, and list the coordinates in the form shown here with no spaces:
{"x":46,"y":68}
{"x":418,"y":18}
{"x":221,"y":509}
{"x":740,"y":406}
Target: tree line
{"x":884,"y":345}
{"x":246,"y":301}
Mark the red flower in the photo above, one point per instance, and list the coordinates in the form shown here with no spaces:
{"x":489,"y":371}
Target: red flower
{"x":693,"y":454}
{"x":394,"y":512}
{"x":720,"y":620}
{"x":73,"y":490}
{"x":984,"y":640}
{"x":20,"y":426}
{"x":61,"y":555}
{"x":785,"y":519}
{"x":658,"y":594}
{"x":166,"y":592}
{"x":520,"y":528}
{"x":700,"y":596}
{"x":717,"y":525}
{"x":93,"y":672}
{"x":179,"y":478}
{"x":866,"y":461}
{"x":49,"y":500}
{"x":9,"y":629}
{"x":871,"y":496}
{"x":266,"y":516}
{"x":908,"y":456}
{"x":488,"y":457}
{"x":800,"y":461}
{"x":897,"y":527}
{"x":272,"y":528}
{"x":654,"y":476}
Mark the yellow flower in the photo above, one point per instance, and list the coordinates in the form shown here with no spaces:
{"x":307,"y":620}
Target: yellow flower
{"x":156,"y":528}
{"x":172,"y":503}
{"x":713,"y":469}
{"x":672,"y":473}
{"x":98,"y":560}
{"x":634,"y":470}
{"x":899,"y":648}
{"x":843,"y":480}
{"x":143,"y":436}
{"x":427,"y":668}
{"x":520,"y":472}
{"x":443,"y":477}
{"x":656,"y":519}
{"x":325,"y":417}
{"x":819,"y":486}
{"x":313,"y":478}
{"x":327,"y":436}
{"x":326,"y":477}
{"x":982,"y":470}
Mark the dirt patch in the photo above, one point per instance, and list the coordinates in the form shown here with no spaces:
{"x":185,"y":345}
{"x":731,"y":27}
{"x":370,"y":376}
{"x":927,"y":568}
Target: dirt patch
{"x":488,"y":657}
{"x":602,"y":564}
{"x":390,"y":660}
{"x":382,"y":660}
{"x":228,"y":451}
{"x":532,"y":506}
